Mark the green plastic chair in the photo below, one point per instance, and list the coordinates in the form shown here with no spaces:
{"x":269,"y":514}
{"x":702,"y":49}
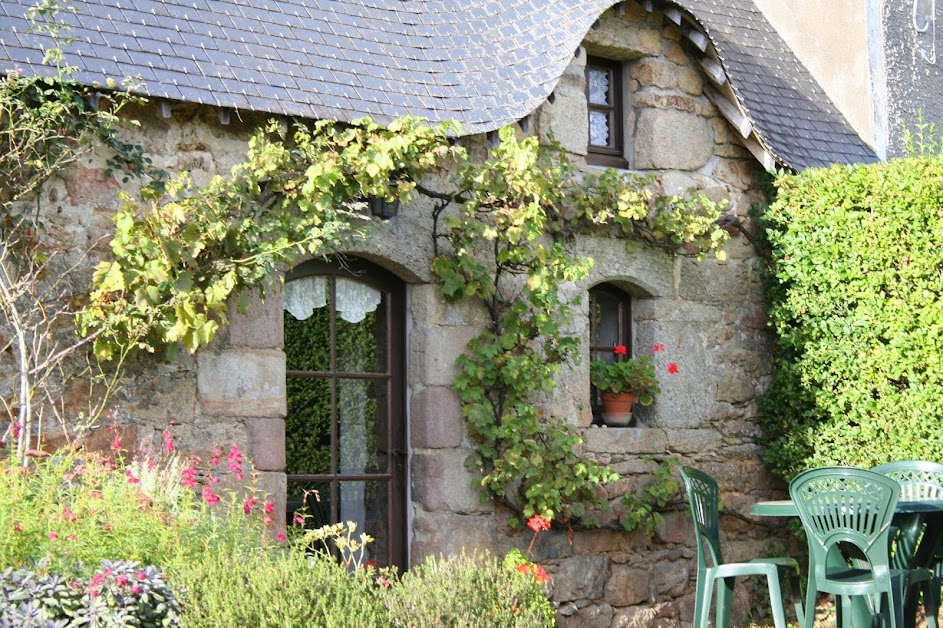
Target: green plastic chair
{"x":848,"y":510}
{"x":919,"y":480}
{"x":703,"y":497}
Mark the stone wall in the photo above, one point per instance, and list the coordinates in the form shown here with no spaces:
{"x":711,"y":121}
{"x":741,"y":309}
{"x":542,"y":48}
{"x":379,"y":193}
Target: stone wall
{"x":709,"y":314}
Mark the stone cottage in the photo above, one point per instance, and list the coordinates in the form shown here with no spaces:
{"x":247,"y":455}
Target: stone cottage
{"x":701,"y":93}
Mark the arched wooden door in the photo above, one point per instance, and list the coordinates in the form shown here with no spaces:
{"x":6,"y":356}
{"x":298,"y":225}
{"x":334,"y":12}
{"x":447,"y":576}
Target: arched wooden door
{"x":345,"y":426}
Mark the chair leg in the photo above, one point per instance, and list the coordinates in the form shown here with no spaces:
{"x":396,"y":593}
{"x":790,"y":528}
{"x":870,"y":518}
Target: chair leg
{"x":724,"y":602}
{"x":808,"y":615}
{"x":795,"y":593}
{"x":931,"y":604}
{"x":702,"y":601}
{"x":776,"y":599}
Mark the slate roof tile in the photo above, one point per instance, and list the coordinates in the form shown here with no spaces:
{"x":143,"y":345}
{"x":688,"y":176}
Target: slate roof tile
{"x":485,"y":63}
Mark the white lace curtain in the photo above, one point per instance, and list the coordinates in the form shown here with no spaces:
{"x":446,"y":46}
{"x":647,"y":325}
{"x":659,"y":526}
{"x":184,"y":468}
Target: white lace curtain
{"x":354,"y":299}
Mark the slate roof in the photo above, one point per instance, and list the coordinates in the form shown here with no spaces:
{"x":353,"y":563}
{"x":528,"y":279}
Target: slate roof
{"x":484,"y":63}
{"x":790,"y":111}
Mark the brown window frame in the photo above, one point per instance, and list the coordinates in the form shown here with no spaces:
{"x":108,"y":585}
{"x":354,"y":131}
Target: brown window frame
{"x":624,"y":333}
{"x":393,"y":376}
{"x":614,"y":154}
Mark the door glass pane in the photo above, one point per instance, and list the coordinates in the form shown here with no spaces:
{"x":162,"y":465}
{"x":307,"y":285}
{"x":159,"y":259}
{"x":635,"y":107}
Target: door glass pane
{"x":313,"y":499}
{"x":366,"y":504}
{"x":361,"y":328}
{"x":598,"y":128}
{"x":308,"y":422}
{"x":361,"y":418}
{"x":307,"y":340}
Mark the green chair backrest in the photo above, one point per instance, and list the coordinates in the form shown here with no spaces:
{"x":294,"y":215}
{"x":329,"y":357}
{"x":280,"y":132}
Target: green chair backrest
{"x":918,"y":479}
{"x":850,"y":509}
{"x":704,"y":499}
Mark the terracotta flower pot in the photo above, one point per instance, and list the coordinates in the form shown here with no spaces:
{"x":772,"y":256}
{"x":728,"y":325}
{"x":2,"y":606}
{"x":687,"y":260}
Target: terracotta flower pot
{"x":617,"y":408}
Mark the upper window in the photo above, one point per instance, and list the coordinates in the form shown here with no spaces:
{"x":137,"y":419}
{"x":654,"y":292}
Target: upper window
{"x":604,"y":100}
{"x":610,"y":324}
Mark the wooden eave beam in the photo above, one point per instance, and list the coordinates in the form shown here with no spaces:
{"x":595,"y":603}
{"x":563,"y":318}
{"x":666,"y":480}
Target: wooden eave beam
{"x":762,"y":155}
{"x":697,"y":38}
{"x":730,"y":110}
{"x":714,"y":70}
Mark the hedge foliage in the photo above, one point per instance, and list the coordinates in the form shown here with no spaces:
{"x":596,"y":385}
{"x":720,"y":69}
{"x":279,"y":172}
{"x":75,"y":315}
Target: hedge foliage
{"x":856,"y":301}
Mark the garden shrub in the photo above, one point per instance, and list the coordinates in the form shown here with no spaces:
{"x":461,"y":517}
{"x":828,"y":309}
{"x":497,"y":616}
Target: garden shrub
{"x":856,"y":301}
{"x":282,"y":588}
{"x":475,"y":590}
{"x":118,"y":594}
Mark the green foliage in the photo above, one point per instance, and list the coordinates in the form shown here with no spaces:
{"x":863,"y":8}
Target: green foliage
{"x":118,"y":594}
{"x":469,"y":591}
{"x":179,"y":260}
{"x":642,"y":510}
{"x":278,"y":589}
{"x":635,"y":375}
{"x":857,"y":306}
{"x":508,"y":245}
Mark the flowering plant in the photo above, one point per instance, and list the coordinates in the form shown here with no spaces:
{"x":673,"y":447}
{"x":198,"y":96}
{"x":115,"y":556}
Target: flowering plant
{"x":632,"y":375}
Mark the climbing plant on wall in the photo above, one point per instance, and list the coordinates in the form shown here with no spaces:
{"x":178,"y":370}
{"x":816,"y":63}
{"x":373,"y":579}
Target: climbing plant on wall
{"x":509,"y":246}
{"x":503,"y":229}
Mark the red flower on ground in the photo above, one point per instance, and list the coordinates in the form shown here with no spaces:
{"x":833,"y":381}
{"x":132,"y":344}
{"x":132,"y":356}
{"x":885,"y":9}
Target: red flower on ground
{"x":672,"y":367}
{"x":538,"y":523}
{"x":189,"y":477}
{"x":209,"y":496}
{"x":235,"y":460}
{"x":168,"y":441}
{"x":658,"y":347}
{"x":249,"y":503}
{"x":620,"y":350}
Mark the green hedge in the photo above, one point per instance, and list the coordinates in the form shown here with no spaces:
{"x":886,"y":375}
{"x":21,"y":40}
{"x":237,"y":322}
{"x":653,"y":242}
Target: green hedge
{"x":856,"y":301}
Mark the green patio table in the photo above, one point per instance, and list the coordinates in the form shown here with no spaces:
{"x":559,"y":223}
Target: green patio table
{"x":930,"y":543}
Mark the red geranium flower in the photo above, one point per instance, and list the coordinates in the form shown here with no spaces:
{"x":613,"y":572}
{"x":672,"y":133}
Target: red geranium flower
{"x":672,"y":367}
{"x":620,"y":350}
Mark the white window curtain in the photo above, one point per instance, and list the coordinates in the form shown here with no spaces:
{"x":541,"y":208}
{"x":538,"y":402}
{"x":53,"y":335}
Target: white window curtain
{"x":354,"y":299}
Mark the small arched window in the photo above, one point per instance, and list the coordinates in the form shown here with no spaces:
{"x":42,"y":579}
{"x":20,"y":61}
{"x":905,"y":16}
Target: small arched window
{"x":610,"y":324}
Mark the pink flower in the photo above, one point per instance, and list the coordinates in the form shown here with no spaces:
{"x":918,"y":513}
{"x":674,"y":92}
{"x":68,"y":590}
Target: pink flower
{"x":17,"y":528}
{"x":268,"y":508}
{"x":116,"y":442}
{"x":280,"y":537}
{"x":249,"y":503}
{"x":383,"y":582}
{"x":67,"y":514}
{"x":298,"y":520}
{"x":72,"y":537}
{"x":53,"y":536}
{"x":620,"y":350}
{"x":235,"y":460}
{"x":168,"y":440}
{"x":136,"y":590}
{"x":209,"y":496}
{"x":658,"y":347}
{"x":16,"y":427}
{"x":189,"y":477}
{"x":131,"y":478}
{"x":267,"y":520}
{"x":122,"y":579}
{"x":538,"y":523}
{"x":216,"y":454}
{"x":672,"y":367}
